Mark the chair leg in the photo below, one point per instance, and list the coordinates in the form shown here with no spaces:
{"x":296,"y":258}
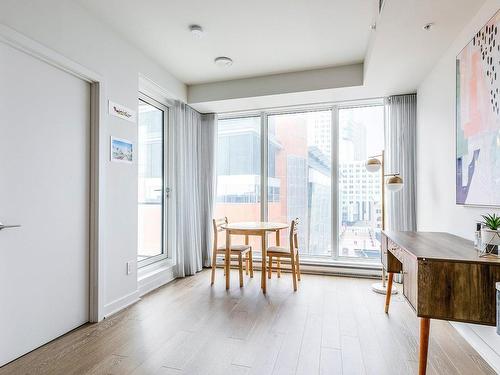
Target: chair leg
{"x":240,"y":268}
{"x":297,"y":261}
{"x":214,"y":266}
{"x":247,"y":256}
{"x":294,"y":275}
{"x":269,"y":274}
{"x":278,"y":266}
{"x":250,"y":260}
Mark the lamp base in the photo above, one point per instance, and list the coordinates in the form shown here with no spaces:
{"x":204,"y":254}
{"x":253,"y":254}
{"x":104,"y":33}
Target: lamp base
{"x":382,"y":289}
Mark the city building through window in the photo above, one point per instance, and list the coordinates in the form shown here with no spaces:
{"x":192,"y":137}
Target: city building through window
{"x":315,"y":171}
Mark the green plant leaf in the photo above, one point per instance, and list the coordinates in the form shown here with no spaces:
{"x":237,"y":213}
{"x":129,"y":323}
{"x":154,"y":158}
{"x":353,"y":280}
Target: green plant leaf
{"x":492,"y":221}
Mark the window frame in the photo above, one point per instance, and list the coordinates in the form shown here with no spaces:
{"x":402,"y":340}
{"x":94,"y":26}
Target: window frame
{"x":334,"y":108}
{"x":165,"y":169}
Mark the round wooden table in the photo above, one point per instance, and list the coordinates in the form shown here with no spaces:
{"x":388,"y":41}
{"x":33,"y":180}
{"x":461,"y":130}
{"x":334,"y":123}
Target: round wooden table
{"x":251,"y":228}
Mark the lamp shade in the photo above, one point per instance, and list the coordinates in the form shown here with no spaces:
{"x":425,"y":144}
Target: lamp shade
{"x":373,"y":165}
{"x":394,"y":183}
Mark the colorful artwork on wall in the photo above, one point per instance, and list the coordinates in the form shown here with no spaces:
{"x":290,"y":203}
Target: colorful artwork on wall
{"x":478,"y":118}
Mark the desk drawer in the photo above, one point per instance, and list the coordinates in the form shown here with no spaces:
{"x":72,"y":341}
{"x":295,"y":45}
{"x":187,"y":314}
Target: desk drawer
{"x":395,"y":250}
{"x":391,"y":256}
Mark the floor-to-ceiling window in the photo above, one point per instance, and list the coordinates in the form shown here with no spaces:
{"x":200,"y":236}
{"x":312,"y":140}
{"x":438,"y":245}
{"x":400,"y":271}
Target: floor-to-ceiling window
{"x":361,"y":135}
{"x":314,"y":171}
{"x":239,"y":170}
{"x":299,"y":176}
{"x":151,"y":188}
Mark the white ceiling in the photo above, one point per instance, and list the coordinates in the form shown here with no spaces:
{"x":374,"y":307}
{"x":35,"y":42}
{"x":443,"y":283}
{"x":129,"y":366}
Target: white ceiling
{"x":401,"y":53}
{"x":261,"y":36}
{"x":399,"y":56}
{"x":266,"y":37}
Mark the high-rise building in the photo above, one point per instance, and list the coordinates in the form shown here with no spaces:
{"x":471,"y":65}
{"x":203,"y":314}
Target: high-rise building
{"x":299,"y":180}
{"x":321,"y":125}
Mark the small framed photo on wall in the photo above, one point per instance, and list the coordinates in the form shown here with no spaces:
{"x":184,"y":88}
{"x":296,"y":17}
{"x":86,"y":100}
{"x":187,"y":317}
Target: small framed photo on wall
{"x":122,"y":150}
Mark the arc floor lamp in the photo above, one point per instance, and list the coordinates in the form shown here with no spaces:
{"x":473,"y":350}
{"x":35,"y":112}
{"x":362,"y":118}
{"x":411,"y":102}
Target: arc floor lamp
{"x":394,"y":183}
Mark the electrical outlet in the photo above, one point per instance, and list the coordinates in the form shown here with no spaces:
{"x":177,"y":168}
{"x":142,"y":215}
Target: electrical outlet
{"x":130,"y":266}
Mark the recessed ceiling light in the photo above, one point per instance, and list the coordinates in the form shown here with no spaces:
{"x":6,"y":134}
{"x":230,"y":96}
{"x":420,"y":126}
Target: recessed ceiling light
{"x":196,"y":30}
{"x":223,"y":61}
{"x":428,"y":26}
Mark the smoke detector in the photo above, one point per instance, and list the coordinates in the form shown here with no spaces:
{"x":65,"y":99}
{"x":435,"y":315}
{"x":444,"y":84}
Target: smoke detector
{"x":223,"y":61}
{"x":196,"y":30}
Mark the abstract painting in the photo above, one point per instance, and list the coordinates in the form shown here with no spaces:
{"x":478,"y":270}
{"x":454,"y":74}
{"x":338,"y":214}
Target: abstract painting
{"x":478,"y":118}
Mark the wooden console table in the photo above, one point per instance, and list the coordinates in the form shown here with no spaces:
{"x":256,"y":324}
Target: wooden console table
{"x":443,"y":278}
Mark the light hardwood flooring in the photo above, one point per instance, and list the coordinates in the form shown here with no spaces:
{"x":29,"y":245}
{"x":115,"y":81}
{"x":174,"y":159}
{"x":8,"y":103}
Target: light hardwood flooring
{"x":332,"y":325}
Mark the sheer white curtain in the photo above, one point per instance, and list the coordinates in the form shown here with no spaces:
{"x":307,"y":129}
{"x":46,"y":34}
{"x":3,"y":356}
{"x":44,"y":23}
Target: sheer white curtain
{"x":193,"y":187}
{"x":400,"y":141}
{"x":207,"y":145}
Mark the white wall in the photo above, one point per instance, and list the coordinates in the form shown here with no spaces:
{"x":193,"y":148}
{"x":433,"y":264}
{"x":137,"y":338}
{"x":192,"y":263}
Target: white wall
{"x":69,"y":30}
{"x":436,"y":208}
{"x":309,"y":80}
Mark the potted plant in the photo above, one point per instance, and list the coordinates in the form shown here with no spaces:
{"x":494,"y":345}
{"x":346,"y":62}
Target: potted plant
{"x":490,"y":232}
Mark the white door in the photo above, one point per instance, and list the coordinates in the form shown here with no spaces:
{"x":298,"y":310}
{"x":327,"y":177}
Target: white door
{"x":44,"y":187}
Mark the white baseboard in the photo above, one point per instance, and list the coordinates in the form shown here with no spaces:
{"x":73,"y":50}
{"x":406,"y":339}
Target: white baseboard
{"x":479,"y":344}
{"x":120,"y":303}
{"x":340,"y":271}
{"x":331,"y":269}
{"x":148,"y":282}
{"x":155,"y":278}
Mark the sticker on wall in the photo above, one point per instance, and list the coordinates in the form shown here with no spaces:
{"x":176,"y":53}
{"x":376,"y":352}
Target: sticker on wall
{"x":121,"y":111}
{"x":122,"y":151}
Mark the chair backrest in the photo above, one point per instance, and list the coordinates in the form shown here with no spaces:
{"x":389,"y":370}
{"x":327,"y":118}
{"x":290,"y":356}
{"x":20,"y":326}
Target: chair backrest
{"x":217,"y":226}
{"x":294,"y":242}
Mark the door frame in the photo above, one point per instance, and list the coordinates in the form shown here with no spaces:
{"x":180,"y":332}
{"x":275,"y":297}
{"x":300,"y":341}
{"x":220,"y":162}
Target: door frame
{"x":166,"y":178}
{"x":98,"y":146}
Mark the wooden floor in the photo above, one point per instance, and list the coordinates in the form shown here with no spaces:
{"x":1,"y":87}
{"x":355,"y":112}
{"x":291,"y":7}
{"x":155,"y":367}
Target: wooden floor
{"x":332,"y":325}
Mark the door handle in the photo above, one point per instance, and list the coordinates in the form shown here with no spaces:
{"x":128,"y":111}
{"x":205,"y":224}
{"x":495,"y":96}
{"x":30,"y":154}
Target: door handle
{"x":167,"y":191}
{"x":2,"y":226}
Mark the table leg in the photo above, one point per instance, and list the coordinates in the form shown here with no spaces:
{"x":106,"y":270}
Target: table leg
{"x":388,"y":293}
{"x":227,"y":258}
{"x":264,"y":261}
{"x":425,"y":325}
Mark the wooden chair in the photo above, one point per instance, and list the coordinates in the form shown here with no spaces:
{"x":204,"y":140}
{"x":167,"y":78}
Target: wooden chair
{"x":237,"y":251}
{"x":291,"y":252}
